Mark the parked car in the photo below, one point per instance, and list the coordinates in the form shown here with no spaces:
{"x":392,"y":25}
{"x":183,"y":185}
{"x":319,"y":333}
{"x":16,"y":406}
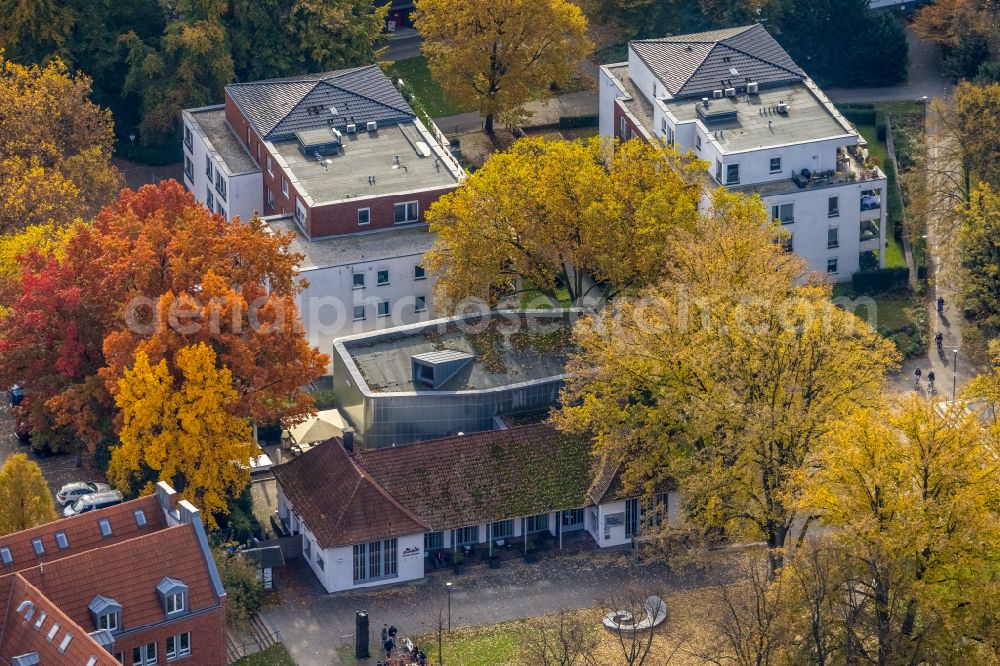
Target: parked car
{"x":15,"y":394}
{"x":93,"y":501}
{"x":71,"y":492}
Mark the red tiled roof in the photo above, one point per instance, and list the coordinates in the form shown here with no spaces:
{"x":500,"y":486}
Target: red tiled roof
{"x":339,"y":502}
{"x":19,"y":636}
{"x":82,"y":532}
{"x":72,"y":582}
{"x":437,"y":484}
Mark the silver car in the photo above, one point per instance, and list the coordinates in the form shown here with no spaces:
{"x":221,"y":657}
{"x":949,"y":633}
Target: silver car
{"x":71,"y":492}
{"x":93,"y":501}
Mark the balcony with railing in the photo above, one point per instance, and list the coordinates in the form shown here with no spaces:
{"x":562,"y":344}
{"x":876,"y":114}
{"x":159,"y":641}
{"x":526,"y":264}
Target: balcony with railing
{"x":870,"y":236}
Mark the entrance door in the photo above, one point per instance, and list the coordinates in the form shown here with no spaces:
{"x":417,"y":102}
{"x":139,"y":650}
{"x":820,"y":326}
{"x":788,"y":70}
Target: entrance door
{"x":570,"y":520}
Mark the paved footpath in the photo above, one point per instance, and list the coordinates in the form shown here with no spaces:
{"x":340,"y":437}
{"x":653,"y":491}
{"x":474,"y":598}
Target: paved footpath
{"x":312,"y":623}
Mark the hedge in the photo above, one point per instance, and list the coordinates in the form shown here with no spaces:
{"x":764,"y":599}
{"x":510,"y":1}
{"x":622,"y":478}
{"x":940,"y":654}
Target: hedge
{"x":860,"y":115}
{"x":882,"y":279}
{"x":572,"y":122}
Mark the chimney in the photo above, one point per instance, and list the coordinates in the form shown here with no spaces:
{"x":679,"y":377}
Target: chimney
{"x":349,"y":439}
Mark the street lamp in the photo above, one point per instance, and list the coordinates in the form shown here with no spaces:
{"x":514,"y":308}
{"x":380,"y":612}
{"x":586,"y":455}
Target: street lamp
{"x":924,"y":98}
{"x":954,"y":373}
{"x":448,"y":585}
{"x":131,"y":145}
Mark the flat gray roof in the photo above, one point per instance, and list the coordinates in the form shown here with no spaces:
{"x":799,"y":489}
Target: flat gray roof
{"x":758,"y":125}
{"x":355,"y":248}
{"x":212,"y":121}
{"x":502,"y":357}
{"x":366,"y":154}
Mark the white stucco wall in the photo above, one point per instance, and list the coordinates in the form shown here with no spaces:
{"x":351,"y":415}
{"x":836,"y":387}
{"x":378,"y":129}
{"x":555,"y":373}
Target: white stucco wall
{"x":244,"y":192}
{"x":608,"y":91}
{"x":326,"y":306}
{"x":338,"y":572}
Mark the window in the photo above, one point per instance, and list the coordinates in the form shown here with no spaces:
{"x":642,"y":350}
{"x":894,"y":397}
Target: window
{"x":5,"y":555}
{"x":320,"y":563}
{"x":404,"y":212}
{"x":175,"y":602}
{"x":464,"y":536}
{"x":178,"y":646}
{"x":38,"y":546}
{"x":420,"y":303}
{"x":359,"y":280}
{"x":61,"y":540}
{"x":655,"y":510}
{"x":248,"y":137}
{"x":220,"y":185}
{"x":831,"y":265}
{"x":382,"y":277}
{"x":270,"y":170}
{"x":284,"y":186}
{"x":539,"y":523}
{"x":697,"y":142}
{"x":220,"y":210}
{"x":375,"y":560}
{"x":871,"y":200}
{"x":833,"y":237}
{"x":105,"y":527}
{"x":210,"y":199}
{"x":359,"y":313}
{"x":364,"y":216}
{"x":775,"y":165}
{"x":188,"y":168}
{"x":502,"y":529}
{"x":144,"y":655}
{"x":140,"y":517}
{"x":572,"y":517}
{"x":833,"y":207}
{"x":622,"y":128}
{"x":188,"y":138}
{"x":786,"y":242}
{"x":434,"y":541}
{"x":208,"y":168}
{"x":108,"y":621}
{"x":732,"y":174}
{"x":419,"y":273}
{"x":631,"y":517}
{"x":307,"y":548}
{"x":300,"y":213}
{"x":718,"y":171}
{"x":270,"y":198}
{"x":258,"y":152}
{"x":785,"y":213}
{"x":383,"y":308}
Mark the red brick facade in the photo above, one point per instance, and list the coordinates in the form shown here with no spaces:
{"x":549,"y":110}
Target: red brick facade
{"x":325,"y":219}
{"x":631,"y":129}
{"x":208,"y":638}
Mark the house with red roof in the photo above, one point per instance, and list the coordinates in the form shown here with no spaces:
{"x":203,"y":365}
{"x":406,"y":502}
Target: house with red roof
{"x":129,"y":584}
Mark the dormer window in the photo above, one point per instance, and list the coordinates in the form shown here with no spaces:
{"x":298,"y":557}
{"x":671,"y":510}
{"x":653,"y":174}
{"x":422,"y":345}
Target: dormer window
{"x":140,"y":517}
{"x":106,"y":613}
{"x":173,"y":596}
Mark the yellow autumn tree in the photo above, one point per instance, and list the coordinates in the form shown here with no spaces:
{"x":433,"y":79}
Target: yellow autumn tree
{"x":496,"y":55}
{"x":910,"y":493}
{"x":25,"y":498}
{"x":55,"y":147}
{"x":181,"y":430}
{"x":724,"y":376}
{"x":545,"y":214}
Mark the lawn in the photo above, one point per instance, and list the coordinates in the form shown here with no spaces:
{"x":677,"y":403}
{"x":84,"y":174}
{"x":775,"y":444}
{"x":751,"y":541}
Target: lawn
{"x":276,"y":655}
{"x":429,"y":94}
{"x":495,"y":645}
{"x":898,"y":316}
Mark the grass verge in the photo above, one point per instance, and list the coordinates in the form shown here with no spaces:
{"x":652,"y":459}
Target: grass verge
{"x":276,"y":655}
{"x":893,"y":245}
{"x":417,"y":76}
{"x":899,"y":316}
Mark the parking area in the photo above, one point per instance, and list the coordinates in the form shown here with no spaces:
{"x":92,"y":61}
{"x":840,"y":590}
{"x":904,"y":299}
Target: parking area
{"x":57,"y":469}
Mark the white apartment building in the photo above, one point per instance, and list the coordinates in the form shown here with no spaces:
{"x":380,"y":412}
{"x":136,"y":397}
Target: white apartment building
{"x":737,"y":100}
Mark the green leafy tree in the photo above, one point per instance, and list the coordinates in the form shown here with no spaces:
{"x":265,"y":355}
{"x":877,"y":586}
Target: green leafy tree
{"x":25,"y":498}
{"x":188,"y":67}
{"x":33,"y":31}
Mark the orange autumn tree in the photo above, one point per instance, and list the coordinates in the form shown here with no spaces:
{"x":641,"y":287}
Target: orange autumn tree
{"x":156,"y":272}
{"x":182,"y":430}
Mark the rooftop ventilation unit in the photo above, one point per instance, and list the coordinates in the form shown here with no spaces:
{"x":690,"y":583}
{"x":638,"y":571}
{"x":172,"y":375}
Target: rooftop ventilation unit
{"x":782,"y":108}
{"x":753,"y":88}
{"x":717,"y":94}
{"x":730,"y":92}
{"x":319,"y":142}
{"x":372,"y":125}
{"x":423,"y":149}
{"x":721,"y":111}
{"x":435,"y":368}
{"x":351,"y":128}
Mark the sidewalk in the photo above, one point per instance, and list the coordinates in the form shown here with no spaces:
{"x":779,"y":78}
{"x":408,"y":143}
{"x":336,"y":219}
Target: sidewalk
{"x":311,"y":622}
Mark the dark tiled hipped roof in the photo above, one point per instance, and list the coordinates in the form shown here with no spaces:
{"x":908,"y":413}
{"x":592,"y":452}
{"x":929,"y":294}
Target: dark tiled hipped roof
{"x":696,"y":64}
{"x":277,"y":108}
{"x":438,"y":484}
{"x":339,"y":501}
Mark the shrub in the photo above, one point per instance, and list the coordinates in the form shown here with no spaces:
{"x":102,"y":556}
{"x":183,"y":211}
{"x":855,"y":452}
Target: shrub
{"x":880,"y":279}
{"x":244,"y":592}
{"x":573,"y":122}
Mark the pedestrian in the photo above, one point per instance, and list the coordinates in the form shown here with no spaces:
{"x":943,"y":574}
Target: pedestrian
{"x":930,"y":379}
{"x":392,"y":631}
{"x":917,"y":373}
{"x":940,"y":303}
{"x":385,"y":632}
{"x":388,"y":645}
